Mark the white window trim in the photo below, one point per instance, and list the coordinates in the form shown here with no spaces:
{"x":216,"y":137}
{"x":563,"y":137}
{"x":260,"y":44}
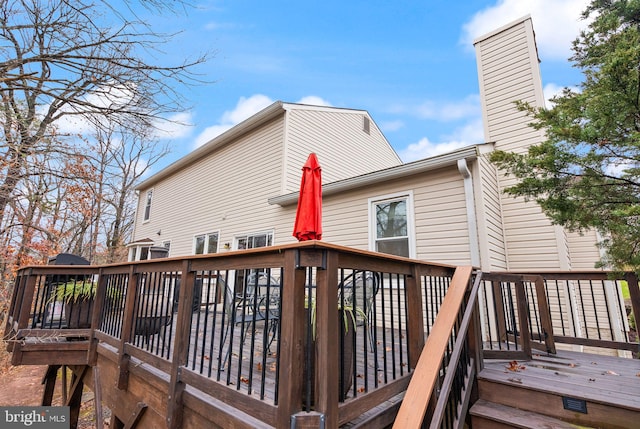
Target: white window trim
{"x":206,"y":236}
{"x":237,"y":237}
{"x":411,"y":226}
{"x":144,"y":205}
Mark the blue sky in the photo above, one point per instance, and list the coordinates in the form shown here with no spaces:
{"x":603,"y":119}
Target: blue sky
{"x":410,"y":64}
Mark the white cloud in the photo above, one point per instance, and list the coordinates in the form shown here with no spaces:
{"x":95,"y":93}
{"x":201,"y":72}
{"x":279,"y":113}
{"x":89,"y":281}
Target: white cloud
{"x":550,"y":90}
{"x":426,"y":148}
{"x":391,"y":125}
{"x":556,"y":23}
{"x":174,"y":127}
{"x":470,"y":133}
{"x":444,"y":111}
{"x":314,"y":100}
{"x":245,"y":108}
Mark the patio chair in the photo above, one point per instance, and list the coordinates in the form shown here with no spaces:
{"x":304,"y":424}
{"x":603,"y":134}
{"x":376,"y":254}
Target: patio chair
{"x":259,"y":302}
{"x":360,"y":289}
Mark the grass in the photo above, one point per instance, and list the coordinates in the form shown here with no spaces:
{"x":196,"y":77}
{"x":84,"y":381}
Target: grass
{"x":625,"y":290}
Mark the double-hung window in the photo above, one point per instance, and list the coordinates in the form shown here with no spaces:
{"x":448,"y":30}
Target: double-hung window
{"x":147,"y":205}
{"x":205,"y":243}
{"x":392,"y":226}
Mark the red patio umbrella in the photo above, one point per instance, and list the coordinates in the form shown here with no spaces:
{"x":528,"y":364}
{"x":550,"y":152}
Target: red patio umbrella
{"x":308,"y":224}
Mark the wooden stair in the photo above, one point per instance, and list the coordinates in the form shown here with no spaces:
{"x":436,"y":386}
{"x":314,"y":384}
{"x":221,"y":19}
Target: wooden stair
{"x":568,"y":390}
{"x":486,"y":414}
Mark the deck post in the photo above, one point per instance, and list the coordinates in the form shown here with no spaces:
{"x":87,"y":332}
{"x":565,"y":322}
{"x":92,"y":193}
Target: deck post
{"x":523,"y":318}
{"x":49,"y":381}
{"x":327,"y":368}
{"x":8,"y":329}
{"x":181,"y":348}
{"x":292,"y":325}
{"x":96,"y":317}
{"x":634,"y":296}
{"x":415,"y":315}
{"x":127,"y":324}
{"x":23,"y":316}
{"x":545,"y":315}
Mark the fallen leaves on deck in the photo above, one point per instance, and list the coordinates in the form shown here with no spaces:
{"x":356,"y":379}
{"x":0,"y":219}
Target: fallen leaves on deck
{"x":515,"y":366}
{"x":609,"y":372}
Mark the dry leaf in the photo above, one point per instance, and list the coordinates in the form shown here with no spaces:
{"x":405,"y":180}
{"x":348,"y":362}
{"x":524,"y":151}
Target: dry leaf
{"x":272,"y":367}
{"x":259,"y":366}
{"x":572,"y":365}
{"x":360,"y":389}
{"x":609,"y":372}
{"x":515,"y":366}
{"x":245,"y":380}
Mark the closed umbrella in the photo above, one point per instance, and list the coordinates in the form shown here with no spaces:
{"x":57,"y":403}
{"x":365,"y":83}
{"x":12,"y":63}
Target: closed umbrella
{"x":308,"y":224}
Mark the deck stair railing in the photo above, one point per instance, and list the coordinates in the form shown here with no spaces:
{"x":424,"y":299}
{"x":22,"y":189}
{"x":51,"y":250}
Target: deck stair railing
{"x":441,"y":386}
{"x":584,"y":310}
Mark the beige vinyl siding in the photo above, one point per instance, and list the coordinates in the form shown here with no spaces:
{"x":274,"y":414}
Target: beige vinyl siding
{"x":338,"y":139}
{"x":488,"y":206}
{"x":508,"y":72}
{"x":439,"y":213}
{"x":226,"y":191}
{"x":583,"y":250}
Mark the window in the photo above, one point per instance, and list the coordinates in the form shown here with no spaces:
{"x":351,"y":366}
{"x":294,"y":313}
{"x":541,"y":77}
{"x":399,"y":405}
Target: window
{"x":147,"y":207}
{"x":392,"y":225}
{"x":205,"y":243}
{"x":251,"y":241}
{"x":139,"y":252}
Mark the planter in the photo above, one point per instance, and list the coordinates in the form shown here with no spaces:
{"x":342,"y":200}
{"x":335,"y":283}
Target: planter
{"x":78,"y":313}
{"x":346,"y":322}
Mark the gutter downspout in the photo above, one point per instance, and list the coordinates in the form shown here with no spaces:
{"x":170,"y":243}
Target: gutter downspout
{"x":472,"y":221}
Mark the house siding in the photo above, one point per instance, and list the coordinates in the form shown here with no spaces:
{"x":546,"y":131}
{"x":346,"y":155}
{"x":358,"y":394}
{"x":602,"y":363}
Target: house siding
{"x":493,"y":254}
{"x":337,"y":138}
{"x":508,"y":72}
{"x":441,"y":230}
{"x":583,"y":249}
{"x":225,"y":191}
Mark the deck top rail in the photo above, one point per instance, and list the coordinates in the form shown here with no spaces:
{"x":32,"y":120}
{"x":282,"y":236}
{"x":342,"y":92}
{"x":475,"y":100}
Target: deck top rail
{"x":271,"y":356}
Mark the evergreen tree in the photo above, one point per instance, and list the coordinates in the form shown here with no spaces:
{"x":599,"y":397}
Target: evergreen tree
{"x":586,"y":174}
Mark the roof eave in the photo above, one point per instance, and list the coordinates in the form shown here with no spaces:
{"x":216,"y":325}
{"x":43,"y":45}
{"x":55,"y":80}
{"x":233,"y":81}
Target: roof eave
{"x":420,"y":166}
{"x":243,"y":127}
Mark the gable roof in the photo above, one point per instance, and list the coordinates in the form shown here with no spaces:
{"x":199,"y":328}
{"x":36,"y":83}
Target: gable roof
{"x":265,"y":115}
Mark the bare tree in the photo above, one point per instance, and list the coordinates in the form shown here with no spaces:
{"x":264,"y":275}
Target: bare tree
{"x":61,"y":59}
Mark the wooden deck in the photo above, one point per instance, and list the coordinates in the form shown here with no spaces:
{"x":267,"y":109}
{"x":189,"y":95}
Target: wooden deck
{"x":197,"y":372}
{"x":582,"y":388}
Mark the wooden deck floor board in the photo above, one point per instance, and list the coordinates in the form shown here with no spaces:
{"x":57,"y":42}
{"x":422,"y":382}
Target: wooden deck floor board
{"x":597,"y":378}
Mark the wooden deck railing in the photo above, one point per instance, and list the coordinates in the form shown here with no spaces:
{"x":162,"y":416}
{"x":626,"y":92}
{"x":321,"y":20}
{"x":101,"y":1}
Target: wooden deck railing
{"x":193,"y":332}
{"x":228,"y":358}
{"x":580,"y":309}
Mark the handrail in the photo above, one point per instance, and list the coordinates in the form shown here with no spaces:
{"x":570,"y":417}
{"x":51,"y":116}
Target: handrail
{"x":389,"y":344}
{"x":425,"y":376}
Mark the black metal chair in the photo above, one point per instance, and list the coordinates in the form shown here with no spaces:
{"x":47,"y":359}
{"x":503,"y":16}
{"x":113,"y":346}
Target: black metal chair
{"x":358,"y":292}
{"x":259,"y":301}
